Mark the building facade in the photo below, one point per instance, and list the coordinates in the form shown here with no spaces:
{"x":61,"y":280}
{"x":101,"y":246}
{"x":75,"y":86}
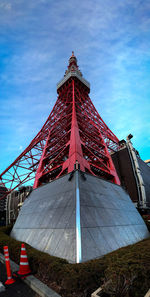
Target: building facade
{"x":14,"y":202}
{"x":3,"y":190}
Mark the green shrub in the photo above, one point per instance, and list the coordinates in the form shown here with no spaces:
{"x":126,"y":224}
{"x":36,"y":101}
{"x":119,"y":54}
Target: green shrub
{"x":148,"y":225}
{"x":82,"y":279}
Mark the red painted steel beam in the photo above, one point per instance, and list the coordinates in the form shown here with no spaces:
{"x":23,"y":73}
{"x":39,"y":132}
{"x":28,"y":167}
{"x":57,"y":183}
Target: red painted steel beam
{"x":74,"y":132}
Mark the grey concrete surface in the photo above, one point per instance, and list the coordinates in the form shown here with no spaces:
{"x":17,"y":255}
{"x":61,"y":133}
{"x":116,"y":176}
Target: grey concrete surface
{"x":47,"y":219}
{"x":109,"y":219}
{"x":103,"y":220}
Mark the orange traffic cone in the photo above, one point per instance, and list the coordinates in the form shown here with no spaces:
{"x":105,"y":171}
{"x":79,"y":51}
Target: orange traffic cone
{"x":24,"y":269}
{"x":10,"y":280}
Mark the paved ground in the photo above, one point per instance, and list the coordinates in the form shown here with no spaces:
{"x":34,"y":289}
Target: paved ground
{"x":18,"y":289}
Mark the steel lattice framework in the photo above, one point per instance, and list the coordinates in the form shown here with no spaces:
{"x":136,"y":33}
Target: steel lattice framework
{"x":73,"y":133}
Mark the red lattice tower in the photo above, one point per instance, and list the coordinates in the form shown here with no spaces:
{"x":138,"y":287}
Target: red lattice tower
{"x":73,"y":133}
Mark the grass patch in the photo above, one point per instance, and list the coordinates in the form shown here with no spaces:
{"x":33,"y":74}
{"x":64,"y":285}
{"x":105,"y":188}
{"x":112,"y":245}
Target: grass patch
{"x":80,"y":280}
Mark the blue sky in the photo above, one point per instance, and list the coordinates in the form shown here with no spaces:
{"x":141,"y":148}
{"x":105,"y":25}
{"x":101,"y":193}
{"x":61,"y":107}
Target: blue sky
{"x":111,"y":40}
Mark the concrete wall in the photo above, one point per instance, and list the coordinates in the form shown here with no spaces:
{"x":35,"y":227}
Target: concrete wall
{"x":79,"y":219}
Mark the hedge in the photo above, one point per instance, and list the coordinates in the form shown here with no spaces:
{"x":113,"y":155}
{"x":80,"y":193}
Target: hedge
{"x":80,"y":280}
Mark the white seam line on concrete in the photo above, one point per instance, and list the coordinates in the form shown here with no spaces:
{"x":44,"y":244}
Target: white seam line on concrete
{"x":78,"y":223}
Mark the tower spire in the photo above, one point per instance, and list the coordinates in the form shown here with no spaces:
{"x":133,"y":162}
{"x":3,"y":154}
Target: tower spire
{"x":73,"y":62}
{"x":73,"y":68}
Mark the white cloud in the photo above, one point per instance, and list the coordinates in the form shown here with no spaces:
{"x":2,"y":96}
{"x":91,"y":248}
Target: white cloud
{"x":5,"y":5}
{"x":111,"y":41}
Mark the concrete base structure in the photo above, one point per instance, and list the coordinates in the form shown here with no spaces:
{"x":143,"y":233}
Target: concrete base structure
{"x":79,"y":217}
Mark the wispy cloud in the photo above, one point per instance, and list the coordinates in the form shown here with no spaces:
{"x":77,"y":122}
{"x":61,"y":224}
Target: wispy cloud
{"x":111,"y":41}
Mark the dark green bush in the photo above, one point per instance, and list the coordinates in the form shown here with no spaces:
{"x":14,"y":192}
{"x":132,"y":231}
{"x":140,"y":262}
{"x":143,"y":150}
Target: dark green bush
{"x":148,"y":225}
{"x":82,"y":279}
